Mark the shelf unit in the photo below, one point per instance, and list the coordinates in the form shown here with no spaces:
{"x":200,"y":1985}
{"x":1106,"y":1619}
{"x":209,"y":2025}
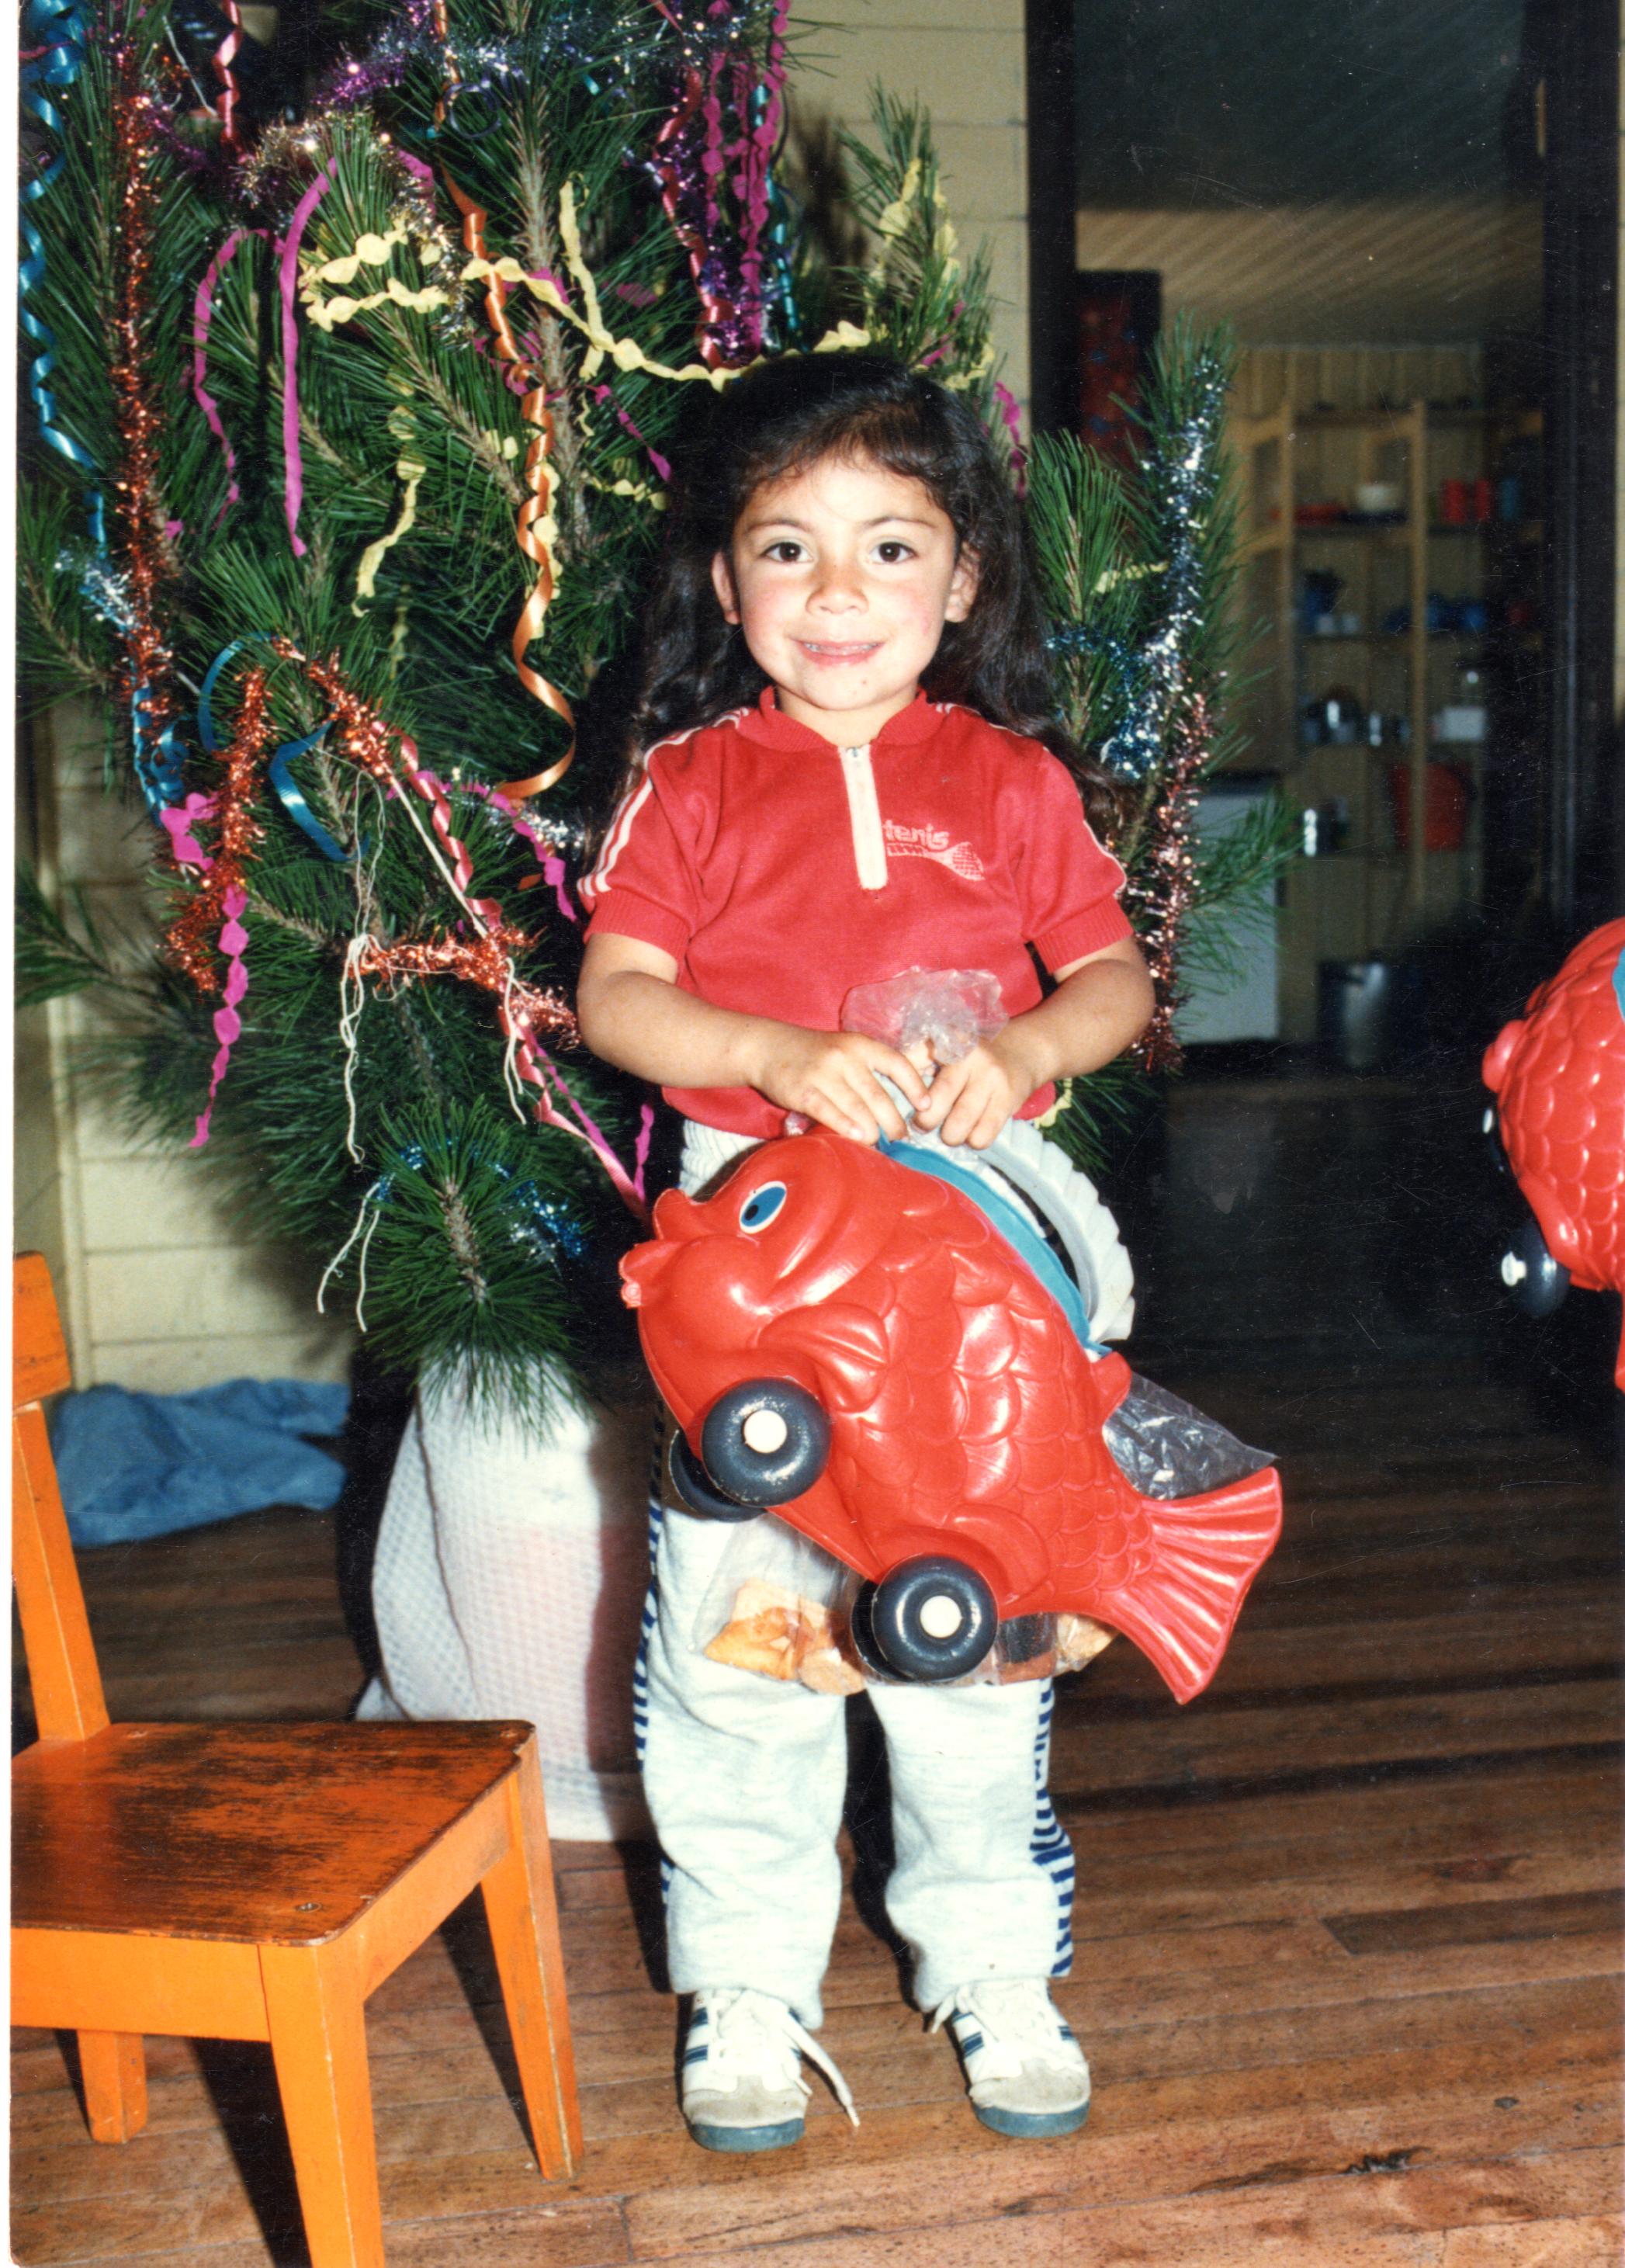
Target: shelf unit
{"x":1289,"y":457}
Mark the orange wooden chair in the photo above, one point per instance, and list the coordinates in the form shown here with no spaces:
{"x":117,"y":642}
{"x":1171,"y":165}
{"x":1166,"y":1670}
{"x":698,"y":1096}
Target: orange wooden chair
{"x":254,"y":1882}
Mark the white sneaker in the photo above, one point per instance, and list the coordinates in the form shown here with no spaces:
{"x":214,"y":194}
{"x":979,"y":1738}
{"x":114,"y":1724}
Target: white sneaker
{"x":1025,"y":2071}
{"x":742,"y":2083}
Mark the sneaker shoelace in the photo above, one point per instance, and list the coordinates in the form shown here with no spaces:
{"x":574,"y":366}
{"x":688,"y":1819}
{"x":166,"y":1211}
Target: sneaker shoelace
{"x":751,"y":2032}
{"x":1018,"y":2022}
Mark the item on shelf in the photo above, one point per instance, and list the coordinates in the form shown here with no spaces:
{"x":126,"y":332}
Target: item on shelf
{"x":1379,"y":500}
{"x":1350,"y":625}
{"x":1467,"y":503}
{"x":1449,"y":795}
{"x":1466,"y":718}
{"x":1510,"y":498}
{"x":1326,"y":827}
{"x":1317,"y":600}
{"x":1336,"y":719}
{"x":1369,"y":1010}
{"x":1327,"y":512}
{"x":1463,"y":617}
{"x":1460,"y":721}
{"x":1376,"y":728}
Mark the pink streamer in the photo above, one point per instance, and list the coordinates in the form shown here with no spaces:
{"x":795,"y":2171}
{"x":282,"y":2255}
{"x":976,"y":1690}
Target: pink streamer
{"x":293,"y":463}
{"x":179,"y":819}
{"x":415,"y":165}
{"x":434,"y":795}
{"x":660,"y":464}
{"x":758,"y":162}
{"x":553,"y":872}
{"x":228,"y":1024}
{"x":202,"y":316}
{"x":1010,"y":410}
{"x":537,"y":1067}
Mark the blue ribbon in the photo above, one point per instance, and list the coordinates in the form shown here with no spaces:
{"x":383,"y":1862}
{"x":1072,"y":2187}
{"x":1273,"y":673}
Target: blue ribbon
{"x":278,"y":771}
{"x":159,"y":759}
{"x":292,"y":798}
{"x":57,"y":26}
{"x":206,"y":731}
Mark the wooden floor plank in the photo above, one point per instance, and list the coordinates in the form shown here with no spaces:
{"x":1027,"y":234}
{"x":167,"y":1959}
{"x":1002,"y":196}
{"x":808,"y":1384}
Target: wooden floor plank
{"x":1590,"y":2243}
{"x":1382,"y":2222}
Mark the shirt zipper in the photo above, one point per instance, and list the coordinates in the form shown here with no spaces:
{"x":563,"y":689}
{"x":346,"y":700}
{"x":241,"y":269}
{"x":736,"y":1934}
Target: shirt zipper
{"x":863,"y":809}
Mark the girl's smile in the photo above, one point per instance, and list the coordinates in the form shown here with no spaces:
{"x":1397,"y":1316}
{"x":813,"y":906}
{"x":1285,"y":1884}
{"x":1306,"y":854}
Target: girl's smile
{"x":842,"y":579}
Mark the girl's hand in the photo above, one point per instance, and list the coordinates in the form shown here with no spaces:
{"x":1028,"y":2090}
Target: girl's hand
{"x":834,"y":1078}
{"x":1098,"y":1004}
{"x":970,"y":1101}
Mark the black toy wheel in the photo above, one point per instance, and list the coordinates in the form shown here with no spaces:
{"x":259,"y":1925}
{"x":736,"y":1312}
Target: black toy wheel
{"x":929,"y":1621}
{"x":1537,"y":1282}
{"x":691,"y":1483}
{"x":765,"y":1442}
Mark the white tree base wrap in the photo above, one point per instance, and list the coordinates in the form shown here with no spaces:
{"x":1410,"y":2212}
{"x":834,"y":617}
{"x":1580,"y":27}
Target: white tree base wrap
{"x":509,"y":1579}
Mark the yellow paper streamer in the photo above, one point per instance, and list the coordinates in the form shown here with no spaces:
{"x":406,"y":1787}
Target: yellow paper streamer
{"x":411,"y":472}
{"x":371,"y":250}
{"x":626,"y":354}
{"x":327,"y":313}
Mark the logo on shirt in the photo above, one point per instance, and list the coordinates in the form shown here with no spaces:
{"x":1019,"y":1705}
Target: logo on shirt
{"x":936,"y":843}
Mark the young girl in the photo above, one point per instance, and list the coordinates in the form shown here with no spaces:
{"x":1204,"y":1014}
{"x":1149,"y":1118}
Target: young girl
{"x":847,"y":690}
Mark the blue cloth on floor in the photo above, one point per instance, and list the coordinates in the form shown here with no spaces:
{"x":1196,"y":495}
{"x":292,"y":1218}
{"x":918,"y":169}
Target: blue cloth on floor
{"x":143,"y":1464}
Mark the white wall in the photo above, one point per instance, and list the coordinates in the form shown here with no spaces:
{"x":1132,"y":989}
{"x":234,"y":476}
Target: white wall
{"x":965,"y":60}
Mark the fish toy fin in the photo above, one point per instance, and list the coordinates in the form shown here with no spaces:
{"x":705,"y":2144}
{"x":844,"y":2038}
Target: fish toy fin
{"x":1206,"y":1550}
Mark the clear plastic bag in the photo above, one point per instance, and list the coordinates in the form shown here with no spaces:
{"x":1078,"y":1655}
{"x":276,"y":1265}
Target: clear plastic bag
{"x":1167,"y":1449}
{"x":946,"y":1009}
{"x":781,"y":1606}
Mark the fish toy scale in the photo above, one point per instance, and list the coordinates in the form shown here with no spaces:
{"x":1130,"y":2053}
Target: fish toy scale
{"x":965,"y":1415}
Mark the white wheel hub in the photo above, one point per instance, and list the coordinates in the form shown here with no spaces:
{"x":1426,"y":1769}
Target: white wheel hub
{"x":765,"y":1432}
{"x":940,"y":1616}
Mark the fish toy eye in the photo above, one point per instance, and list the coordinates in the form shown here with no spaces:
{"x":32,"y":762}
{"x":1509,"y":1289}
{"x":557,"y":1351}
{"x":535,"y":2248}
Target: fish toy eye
{"x":761,"y":1206}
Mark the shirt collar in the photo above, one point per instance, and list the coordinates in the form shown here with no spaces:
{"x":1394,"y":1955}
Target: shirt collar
{"x":768,"y":723}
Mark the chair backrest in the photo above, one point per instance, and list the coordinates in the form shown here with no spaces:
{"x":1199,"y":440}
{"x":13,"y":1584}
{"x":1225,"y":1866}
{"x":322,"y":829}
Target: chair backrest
{"x":68,"y":1699}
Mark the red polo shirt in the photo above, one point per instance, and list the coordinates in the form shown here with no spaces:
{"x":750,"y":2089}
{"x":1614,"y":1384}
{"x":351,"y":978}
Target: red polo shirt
{"x":779,"y":871}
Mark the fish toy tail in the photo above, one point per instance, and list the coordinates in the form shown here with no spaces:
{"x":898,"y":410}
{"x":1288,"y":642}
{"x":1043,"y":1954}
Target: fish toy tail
{"x":1207,"y":1551}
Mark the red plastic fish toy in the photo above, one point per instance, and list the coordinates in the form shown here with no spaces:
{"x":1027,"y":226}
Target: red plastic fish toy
{"x":1558,"y":1074}
{"x":852,"y":1342}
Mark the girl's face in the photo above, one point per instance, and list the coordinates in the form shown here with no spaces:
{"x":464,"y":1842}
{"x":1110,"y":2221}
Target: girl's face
{"x":842,"y":579}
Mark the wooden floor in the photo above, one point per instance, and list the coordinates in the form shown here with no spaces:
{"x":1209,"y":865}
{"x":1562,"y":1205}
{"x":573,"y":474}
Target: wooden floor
{"x":1348,"y":1928}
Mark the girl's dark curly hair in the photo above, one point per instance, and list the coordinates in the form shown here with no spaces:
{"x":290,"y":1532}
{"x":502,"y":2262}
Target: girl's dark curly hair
{"x":775,"y":421}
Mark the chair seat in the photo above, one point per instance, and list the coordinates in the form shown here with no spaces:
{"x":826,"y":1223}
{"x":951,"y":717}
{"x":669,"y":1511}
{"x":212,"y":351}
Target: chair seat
{"x":247,"y":1833}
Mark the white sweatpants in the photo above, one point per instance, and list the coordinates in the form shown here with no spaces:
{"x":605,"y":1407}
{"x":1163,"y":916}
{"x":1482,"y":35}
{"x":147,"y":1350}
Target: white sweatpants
{"x":745,"y":1778}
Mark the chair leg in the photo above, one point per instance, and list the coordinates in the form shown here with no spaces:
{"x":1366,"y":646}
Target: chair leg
{"x":114,"y":2068}
{"x":523,"y":1913}
{"x":319,"y":2040}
